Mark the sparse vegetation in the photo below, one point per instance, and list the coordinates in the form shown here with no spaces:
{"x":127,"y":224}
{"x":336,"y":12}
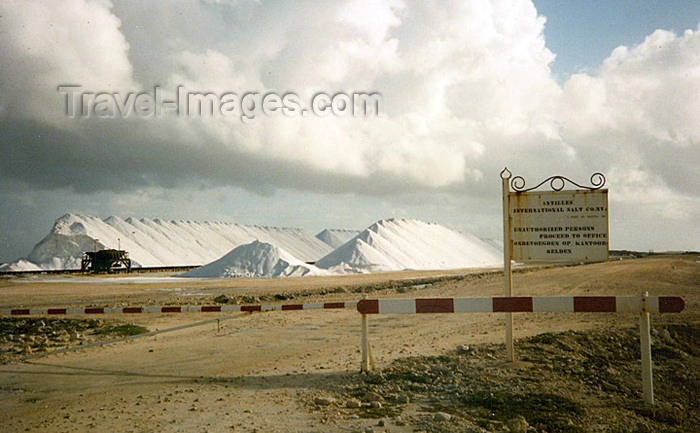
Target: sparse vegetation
{"x":575,"y":381}
{"x":123,"y":330}
{"x":22,"y":336}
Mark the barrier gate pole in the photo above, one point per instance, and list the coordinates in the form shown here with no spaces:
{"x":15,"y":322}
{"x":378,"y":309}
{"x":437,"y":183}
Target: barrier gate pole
{"x":645,"y":343}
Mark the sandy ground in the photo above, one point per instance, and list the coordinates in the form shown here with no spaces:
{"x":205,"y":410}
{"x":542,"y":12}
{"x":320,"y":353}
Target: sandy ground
{"x":262,"y":372}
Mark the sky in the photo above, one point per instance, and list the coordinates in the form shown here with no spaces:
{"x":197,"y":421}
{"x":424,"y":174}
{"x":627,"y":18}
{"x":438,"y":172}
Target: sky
{"x":467,"y":88}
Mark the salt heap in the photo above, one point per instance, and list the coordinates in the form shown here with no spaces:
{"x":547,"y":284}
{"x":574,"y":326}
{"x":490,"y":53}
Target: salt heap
{"x":387,"y":245}
{"x":18,"y":266}
{"x":337,"y":237}
{"x":398,"y":244}
{"x":255,"y":260}
{"x":157,"y":242}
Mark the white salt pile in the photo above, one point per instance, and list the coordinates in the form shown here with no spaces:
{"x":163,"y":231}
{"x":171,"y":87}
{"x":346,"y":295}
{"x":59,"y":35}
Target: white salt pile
{"x":156,"y":242}
{"x":337,"y":237}
{"x":394,"y":244}
{"x":398,"y":244}
{"x":18,"y":266}
{"x":255,"y":260}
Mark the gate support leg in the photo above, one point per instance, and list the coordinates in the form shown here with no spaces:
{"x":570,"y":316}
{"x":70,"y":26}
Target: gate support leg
{"x":365,"y":367}
{"x":645,"y":340}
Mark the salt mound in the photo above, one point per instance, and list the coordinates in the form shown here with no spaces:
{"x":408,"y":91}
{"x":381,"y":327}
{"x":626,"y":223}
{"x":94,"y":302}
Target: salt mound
{"x":156,"y":242}
{"x":337,"y":237}
{"x":495,"y":243}
{"x":255,"y":260}
{"x":19,"y":265}
{"x":398,"y":244}
{"x":393,"y":244}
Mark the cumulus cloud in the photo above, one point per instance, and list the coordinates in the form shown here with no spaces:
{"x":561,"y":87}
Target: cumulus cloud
{"x":466,"y":87}
{"x":635,"y":116}
{"x":45,"y":46}
{"x":454,"y":77}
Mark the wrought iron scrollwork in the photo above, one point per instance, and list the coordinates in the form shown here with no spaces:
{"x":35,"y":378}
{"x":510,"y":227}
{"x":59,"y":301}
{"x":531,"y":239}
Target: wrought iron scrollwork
{"x":506,"y":174}
{"x":557,"y":183}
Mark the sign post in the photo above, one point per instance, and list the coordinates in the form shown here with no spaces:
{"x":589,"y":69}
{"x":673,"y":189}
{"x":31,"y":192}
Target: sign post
{"x":507,"y":284}
{"x":545,"y":226}
{"x":645,"y":344}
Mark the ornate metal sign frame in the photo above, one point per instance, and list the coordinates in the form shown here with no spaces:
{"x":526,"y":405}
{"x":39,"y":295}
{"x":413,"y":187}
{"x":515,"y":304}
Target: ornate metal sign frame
{"x":534,"y":202}
{"x":556,"y":183}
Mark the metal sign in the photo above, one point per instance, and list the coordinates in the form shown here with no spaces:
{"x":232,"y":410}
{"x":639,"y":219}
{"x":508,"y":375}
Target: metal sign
{"x":559,"y":225}
{"x":551,"y":226}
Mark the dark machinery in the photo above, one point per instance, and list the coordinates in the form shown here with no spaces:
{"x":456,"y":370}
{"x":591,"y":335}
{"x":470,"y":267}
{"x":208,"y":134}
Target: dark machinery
{"x":105,"y":261}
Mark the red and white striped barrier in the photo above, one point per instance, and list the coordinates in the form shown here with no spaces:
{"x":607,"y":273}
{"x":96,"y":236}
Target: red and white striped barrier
{"x":177,"y":309}
{"x":515,"y":304}
{"x":524,"y":304}
{"x":642,"y":304}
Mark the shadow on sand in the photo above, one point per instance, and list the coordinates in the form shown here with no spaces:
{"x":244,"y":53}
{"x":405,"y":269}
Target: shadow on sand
{"x":272,"y":381}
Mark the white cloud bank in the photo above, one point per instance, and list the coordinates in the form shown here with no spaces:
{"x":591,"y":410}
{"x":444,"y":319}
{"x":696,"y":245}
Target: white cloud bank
{"x":467,"y":89}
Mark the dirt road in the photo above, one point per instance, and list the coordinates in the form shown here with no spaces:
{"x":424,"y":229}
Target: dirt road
{"x":262,"y":372}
